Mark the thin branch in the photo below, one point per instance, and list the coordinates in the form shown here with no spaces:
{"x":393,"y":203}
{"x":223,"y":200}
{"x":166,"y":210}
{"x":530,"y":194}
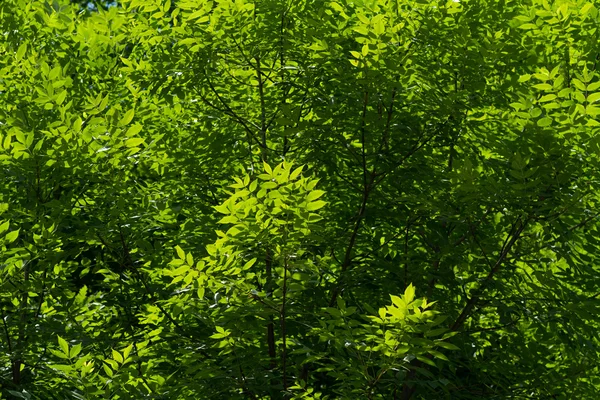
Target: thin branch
{"x":511,"y":239}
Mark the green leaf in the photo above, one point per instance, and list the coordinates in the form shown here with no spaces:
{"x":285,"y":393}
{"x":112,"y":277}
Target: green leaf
{"x":426,"y":360}
{"x":127,"y":351}
{"x":296,"y":173}
{"x":61,"y":97}
{"x":437,"y":354}
{"x":64,"y":346}
{"x":315,"y":194}
{"x":315,"y":205}
{"x":546,"y":98}
{"x":268,"y":169}
{"x":409,"y":294}
{"x":592,"y":110}
{"x":12,"y":236}
{"x":127,"y":118}
{"x":546,"y":121}
{"x":21,"y":51}
{"x":180,"y":252}
{"x":133,"y":142}
{"x":524,"y":78}
{"x":134,"y":130}
{"x":594,"y":97}
{"x":528,"y":26}
{"x":117,"y":356}
{"x":543,"y":86}
{"x":447,"y":345}
{"x":75,"y":350}
{"x":249,"y":264}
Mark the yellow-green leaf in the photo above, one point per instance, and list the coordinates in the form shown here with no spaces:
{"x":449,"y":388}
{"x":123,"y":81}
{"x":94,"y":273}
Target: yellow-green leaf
{"x":117,"y":356}
{"x":315,"y":194}
{"x":409,"y":294}
{"x":12,"y":236}
{"x":21,"y":51}
{"x":180,"y":252}
{"x":134,"y":130}
{"x":127,"y":118}
{"x":64,"y":346}
{"x":543,"y":86}
{"x":546,"y":121}
{"x":133,"y":142}
{"x":61,"y":97}
{"x":592,"y":98}
{"x":315,"y":205}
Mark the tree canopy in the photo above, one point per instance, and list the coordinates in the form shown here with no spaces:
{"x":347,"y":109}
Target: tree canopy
{"x":299,"y":199}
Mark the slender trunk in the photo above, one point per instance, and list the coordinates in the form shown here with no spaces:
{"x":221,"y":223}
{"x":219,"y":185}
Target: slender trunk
{"x":17,"y":362}
{"x":283,"y":328}
{"x":263,"y":110}
{"x":270,"y":326}
{"x":367,"y":185}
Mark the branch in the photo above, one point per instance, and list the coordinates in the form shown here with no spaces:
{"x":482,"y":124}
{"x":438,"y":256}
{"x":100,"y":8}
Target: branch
{"x":511,"y":239}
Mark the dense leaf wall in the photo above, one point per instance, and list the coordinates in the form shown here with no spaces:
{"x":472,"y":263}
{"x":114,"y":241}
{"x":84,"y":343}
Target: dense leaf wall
{"x":237,"y":199}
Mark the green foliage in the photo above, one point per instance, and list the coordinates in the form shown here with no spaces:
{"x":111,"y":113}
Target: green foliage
{"x":216,"y":199}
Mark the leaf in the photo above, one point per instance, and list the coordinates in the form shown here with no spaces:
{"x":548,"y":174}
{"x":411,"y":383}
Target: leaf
{"x":4,"y":226}
{"x":196,"y":14}
{"x":21,"y":51}
{"x":447,"y":345}
{"x":426,"y":360}
{"x":127,"y":118}
{"x":548,"y":97}
{"x":543,"y":86}
{"x":77,"y":124}
{"x":296,"y":173}
{"x":75,"y":350}
{"x":546,"y":121}
{"x":249,"y":264}
{"x":127,"y":351}
{"x":365,"y":50}
{"x":107,"y":370}
{"x":594,"y":97}
{"x":337,"y":7}
{"x":117,"y":356}
{"x":435,"y":332}
{"x":134,"y":130}
{"x":61,"y":97}
{"x":592,"y":110}
{"x":524,"y":78}
{"x":579,"y":85}
{"x":409,"y":294}
{"x":315,"y":205}
{"x":593,"y":86}
{"x":586,"y":8}
{"x":268,"y":169}
{"x":315,"y":194}
{"x":437,"y":354}
{"x":54,"y":73}
{"x":12,"y":236}
{"x":223,"y":208}
{"x":180,"y":252}
{"x":528,"y":26}
{"x":133,"y":142}
{"x":64,"y":346}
